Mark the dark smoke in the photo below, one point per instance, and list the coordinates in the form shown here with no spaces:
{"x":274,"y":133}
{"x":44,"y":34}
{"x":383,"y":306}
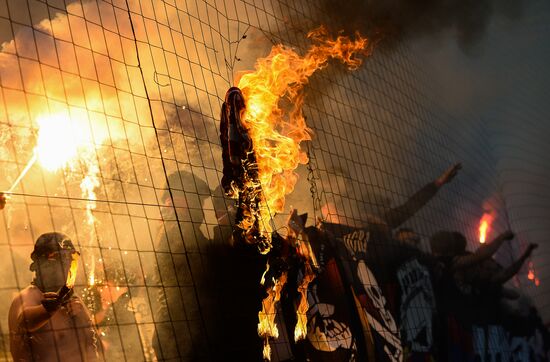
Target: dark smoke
{"x":391,"y":21}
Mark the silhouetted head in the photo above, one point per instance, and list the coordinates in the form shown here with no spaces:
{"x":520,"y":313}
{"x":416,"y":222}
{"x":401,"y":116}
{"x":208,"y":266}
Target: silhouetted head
{"x":52,"y":256}
{"x":448,"y":243}
{"x":408,"y":236}
{"x":182,"y":184}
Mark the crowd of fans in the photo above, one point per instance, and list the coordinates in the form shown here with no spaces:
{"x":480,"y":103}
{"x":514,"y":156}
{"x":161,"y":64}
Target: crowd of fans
{"x":375,"y":295}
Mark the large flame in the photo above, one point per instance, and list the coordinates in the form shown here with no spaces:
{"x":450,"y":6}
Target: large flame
{"x":485,"y":226}
{"x":276,"y":129}
{"x":267,"y":327}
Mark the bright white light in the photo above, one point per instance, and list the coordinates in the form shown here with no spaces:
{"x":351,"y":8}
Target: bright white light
{"x":57,"y":141}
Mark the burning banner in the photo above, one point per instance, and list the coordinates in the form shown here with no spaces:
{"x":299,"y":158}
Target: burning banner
{"x":269,"y":134}
{"x":261,"y":140}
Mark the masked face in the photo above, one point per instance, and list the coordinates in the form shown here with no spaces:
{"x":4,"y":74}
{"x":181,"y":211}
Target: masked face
{"x":51,"y":270}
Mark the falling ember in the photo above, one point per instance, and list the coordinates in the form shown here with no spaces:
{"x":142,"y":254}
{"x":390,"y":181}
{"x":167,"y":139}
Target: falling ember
{"x":71,"y":275}
{"x":276,"y":133}
{"x":300,"y":331}
{"x":484,"y":226}
{"x":267,"y":327}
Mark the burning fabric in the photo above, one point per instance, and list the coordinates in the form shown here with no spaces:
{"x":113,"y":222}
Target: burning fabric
{"x":261,"y":149}
{"x":240,"y":171}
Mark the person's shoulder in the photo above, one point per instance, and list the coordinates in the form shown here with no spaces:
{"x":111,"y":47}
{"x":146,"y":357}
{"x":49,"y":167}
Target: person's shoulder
{"x":30,"y":295}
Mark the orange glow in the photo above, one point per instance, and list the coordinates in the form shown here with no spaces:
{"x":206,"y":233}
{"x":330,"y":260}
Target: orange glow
{"x":300,"y":331}
{"x":71,"y":275}
{"x":485,"y":226}
{"x":531,"y":275}
{"x":278,"y":129}
{"x":267,"y":327}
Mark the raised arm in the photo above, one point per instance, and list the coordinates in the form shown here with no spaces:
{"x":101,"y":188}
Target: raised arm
{"x":400,"y":214}
{"x":485,"y":251}
{"x":506,"y":274}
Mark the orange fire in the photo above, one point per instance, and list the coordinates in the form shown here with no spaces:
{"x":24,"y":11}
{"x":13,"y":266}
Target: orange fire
{"x":300,"y":331}
{"x":531,"y":274}
{"x":71,"y":275}
{"x":485,"y":226}
{"x":267,"y":327}
{"x":277,"y":130}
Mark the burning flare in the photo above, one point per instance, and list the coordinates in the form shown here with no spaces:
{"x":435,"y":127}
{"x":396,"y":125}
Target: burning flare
{"x":56,"y":144}
{"x":55,"y":147}
{"x":71,"y":275}
{"x":531,"y":274}
{"x":277,"y":131}
{"x":485,"y":226}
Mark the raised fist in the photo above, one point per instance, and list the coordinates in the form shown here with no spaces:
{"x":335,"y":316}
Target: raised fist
{"x":448,"y":175}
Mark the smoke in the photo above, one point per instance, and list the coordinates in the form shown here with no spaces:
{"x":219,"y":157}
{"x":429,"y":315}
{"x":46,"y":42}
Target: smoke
{"x":391,"y":21}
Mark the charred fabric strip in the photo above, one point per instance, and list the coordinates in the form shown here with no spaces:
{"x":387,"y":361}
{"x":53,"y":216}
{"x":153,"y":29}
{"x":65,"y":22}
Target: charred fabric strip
{"x":240,"y":171}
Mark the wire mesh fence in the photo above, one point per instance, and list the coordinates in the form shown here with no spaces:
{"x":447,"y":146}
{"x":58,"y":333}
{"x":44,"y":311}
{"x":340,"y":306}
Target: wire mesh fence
{"x":134,"y":88}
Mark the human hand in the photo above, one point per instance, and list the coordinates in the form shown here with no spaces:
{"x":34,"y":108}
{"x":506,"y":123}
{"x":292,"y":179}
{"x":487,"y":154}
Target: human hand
{"x":507,"y":235}
{"x":54,"y":300}
{"x":530,"y":248}
{"x":448,"y":175}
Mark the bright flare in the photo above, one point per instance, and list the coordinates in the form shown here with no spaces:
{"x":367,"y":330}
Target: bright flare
{"x":71,"y":275}
{"x":485,"y":226}
{"x":276,"y":129}
{"x":57,"y":142}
